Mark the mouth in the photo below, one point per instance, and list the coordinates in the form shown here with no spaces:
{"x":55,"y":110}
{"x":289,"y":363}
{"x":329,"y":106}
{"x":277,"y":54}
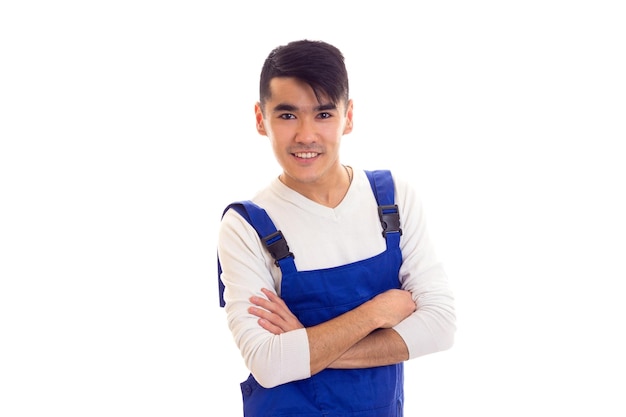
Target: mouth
{"x":305,"y":155}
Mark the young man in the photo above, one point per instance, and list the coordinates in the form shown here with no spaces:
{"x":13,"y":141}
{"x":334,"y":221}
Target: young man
{"x":328,"y":277}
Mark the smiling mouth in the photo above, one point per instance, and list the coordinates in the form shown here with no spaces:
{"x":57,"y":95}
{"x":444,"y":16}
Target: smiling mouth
{"x":306,"y":155}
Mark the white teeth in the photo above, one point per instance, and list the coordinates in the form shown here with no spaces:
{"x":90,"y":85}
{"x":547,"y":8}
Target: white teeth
{"x":306,"y":155}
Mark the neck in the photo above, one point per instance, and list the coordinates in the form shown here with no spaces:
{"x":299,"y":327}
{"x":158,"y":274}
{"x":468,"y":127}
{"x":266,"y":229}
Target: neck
{"x":328,"y":191}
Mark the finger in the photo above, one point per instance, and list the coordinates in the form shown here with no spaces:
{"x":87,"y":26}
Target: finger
{"x":273,"y":297}
{"x":268,"y":320}
{"x":261,"y":313}
{"x":269,"y":306}
{"x":273,"y":318}
{"x":270,"y":327}
{"x":277,"y":307}
{"x":261,"y":302}
{"x":281,"y":316}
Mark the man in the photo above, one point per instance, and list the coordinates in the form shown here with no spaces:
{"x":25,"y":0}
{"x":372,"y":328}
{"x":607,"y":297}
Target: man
{"x":329,"y":278}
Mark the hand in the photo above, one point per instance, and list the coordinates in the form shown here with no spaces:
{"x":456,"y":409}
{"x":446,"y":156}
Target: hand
{"x":274,"y":315}
{"x":393,"y":306}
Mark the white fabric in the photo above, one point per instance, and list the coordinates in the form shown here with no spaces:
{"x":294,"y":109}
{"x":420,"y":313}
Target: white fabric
{"x":322,"y":237}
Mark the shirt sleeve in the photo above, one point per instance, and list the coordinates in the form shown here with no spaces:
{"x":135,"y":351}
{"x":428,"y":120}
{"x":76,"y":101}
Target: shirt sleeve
{"x":432,"y":326}
{"x":246,"y":268}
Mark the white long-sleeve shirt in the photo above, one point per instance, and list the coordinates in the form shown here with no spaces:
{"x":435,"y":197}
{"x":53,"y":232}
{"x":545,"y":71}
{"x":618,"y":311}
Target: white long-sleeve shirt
{"x":323,"y":237}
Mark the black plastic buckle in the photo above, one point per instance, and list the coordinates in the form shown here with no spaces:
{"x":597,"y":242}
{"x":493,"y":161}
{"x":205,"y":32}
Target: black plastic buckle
{"x":277,"y":246}
{"x":389,"y":219}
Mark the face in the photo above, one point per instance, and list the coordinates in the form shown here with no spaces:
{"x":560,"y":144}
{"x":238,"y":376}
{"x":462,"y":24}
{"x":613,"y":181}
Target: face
{"x":305,"y":134}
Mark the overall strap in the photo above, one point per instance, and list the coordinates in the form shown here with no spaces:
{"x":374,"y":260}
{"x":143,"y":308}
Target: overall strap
{"x":383,"y":187}
{"x":272,"y":239}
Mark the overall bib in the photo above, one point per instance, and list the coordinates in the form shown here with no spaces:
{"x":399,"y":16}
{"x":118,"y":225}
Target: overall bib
{"x":318,"y":296}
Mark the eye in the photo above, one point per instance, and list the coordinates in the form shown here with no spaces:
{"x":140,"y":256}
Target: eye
{"x":287,"y":116}
{"x":324,"y":115}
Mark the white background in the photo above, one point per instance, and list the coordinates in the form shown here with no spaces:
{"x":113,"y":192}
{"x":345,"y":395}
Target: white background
{"x":127,"y":126}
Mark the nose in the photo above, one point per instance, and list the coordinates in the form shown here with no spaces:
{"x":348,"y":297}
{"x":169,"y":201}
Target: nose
{"x":306,"y":132}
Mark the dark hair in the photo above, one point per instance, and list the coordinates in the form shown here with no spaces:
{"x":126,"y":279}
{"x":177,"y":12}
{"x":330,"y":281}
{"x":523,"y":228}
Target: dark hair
{"x":316,"y":63}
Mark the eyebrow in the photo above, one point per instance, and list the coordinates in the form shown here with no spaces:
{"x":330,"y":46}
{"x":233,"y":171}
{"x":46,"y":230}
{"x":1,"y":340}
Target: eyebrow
{"x":292,"y":108}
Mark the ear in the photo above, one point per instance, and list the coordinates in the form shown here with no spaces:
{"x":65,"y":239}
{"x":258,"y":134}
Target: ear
{"x":349,"y":123}
{"x":260,"y":127}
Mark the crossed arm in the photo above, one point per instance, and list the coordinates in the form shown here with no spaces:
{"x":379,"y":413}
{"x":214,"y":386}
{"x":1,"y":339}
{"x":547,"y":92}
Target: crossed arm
{"x":359,"y":338}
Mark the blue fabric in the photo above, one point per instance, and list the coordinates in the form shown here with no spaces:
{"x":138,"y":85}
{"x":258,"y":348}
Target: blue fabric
{"x":320,"y":295}
{"x":264,"y":227}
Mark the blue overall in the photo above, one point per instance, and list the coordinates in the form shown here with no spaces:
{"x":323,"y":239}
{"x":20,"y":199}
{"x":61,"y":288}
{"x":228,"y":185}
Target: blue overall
{"x":318,"y":296}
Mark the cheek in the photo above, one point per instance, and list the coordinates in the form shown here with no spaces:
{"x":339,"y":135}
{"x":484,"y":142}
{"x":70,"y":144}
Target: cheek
{"x":278,"y":147}
{"x":276,"y":131}
{"x":334,"y":135}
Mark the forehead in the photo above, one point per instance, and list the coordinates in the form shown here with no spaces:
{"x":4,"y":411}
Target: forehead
{"x":295,"y":92}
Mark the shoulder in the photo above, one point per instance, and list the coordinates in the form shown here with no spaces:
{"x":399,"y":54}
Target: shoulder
{"x":403,"y":188}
